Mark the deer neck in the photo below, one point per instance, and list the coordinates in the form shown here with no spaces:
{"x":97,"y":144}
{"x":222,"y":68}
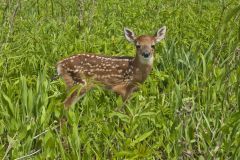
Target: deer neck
{"x":142,"y":68}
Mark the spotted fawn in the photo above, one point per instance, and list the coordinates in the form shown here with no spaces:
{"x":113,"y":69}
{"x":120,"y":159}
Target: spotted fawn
{"x":119,"y":74}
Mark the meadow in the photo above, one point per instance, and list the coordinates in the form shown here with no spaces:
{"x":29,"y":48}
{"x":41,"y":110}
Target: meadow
{"x":188,"y":108}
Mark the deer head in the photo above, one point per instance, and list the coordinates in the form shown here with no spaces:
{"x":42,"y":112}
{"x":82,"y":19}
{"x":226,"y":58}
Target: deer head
{"x":145,"y":45}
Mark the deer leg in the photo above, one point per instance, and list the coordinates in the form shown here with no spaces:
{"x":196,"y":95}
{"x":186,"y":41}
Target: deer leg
{"x":77,"y":93}
{"x":129,"y":92}
{"x":125,"y":92}
{"x":75,"y":96}
{"x":70,"y":82}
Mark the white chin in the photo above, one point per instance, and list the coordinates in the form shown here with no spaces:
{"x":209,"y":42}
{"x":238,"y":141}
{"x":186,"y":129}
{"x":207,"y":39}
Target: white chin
{"x":148,"y":60}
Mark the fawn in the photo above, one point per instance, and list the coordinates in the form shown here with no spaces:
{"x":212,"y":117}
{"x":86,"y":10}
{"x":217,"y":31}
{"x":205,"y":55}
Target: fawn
{"x":119,"y":74}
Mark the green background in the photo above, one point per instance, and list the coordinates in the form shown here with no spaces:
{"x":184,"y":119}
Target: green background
{"x":188,"y":108}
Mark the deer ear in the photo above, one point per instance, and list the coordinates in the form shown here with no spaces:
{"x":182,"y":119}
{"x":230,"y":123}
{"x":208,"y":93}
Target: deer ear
{"x":129,"y":34}
{"x":160,"y":34}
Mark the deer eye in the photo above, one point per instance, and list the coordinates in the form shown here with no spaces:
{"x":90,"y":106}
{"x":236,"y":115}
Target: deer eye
{"x":138,"y":46}
{"x":153,"y":46}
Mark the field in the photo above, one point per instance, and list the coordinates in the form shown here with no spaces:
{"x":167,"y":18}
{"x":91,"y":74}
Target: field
{"x":188,"y":108}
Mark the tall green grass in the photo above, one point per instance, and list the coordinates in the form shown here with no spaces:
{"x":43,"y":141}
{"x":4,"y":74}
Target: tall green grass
{"x":188,"y":108}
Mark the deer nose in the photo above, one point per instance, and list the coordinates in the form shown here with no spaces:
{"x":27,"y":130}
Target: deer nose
{"x":146,"y":54}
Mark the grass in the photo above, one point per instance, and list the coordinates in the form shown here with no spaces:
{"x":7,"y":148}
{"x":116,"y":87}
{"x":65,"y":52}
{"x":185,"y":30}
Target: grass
{"x":188,"y":108}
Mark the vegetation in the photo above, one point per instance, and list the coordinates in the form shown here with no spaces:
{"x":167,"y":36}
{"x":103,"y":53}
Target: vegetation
{"x":187,"y":109}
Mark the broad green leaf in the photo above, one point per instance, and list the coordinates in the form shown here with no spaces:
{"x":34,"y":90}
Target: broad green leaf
{"x":141,"y":138}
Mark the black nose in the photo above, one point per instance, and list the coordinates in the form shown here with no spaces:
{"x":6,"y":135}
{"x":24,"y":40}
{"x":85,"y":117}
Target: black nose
{"x":146,"y":54}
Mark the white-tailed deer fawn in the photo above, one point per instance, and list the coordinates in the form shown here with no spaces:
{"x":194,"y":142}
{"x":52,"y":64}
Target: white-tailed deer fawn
{"x":119,"y":74}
